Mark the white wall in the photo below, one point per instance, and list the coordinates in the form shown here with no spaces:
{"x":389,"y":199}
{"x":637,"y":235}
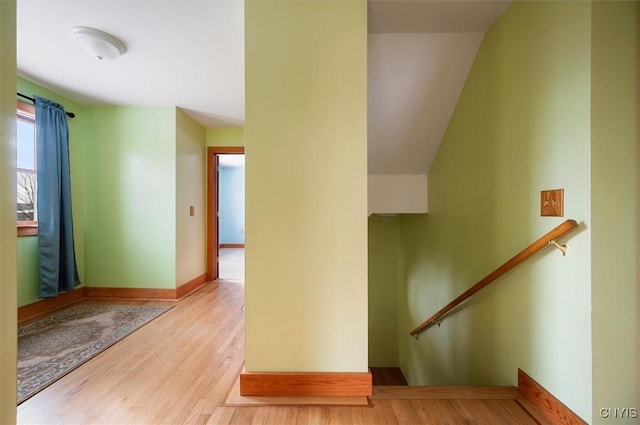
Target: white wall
{"x":395,"y":194}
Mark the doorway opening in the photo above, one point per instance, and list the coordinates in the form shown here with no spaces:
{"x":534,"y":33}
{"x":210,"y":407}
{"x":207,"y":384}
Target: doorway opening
{"x":225,"y":213}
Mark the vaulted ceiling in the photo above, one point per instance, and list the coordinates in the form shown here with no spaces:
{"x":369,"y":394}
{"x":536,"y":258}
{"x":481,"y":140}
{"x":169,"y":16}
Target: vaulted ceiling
{"x":190,"y":54}
{"x":420,"y":53}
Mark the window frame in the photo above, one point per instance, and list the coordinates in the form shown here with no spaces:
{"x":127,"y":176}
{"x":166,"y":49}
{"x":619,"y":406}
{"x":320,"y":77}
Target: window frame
{"x":26,"y":111}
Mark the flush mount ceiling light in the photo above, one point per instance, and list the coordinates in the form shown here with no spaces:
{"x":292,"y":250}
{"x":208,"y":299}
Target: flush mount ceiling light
{"x":98,"y":44}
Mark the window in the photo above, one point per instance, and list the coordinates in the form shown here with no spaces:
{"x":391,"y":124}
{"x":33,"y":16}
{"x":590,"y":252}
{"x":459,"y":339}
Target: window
{"x":26,"y":212}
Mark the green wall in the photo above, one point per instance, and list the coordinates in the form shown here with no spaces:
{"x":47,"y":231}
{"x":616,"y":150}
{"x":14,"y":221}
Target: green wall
{"x":306,"y":186}
{"x":28,"y":275}
{"x":8,"y":295}
{"x":130,"y":236}
{"x":384,"y":276}
{"x":135,"y":171}
{"x":614,"y":196}
{"x":521,"y":125}
{"x":225,"y":136}
{"x":28,"y":282}
{"x":191,"y":177}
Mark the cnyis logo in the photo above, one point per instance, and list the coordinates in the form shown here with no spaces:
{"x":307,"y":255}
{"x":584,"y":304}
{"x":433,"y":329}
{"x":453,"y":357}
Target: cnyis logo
{"x":619,"y":412}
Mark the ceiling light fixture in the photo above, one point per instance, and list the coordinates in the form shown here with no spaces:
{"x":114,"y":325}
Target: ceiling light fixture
{"x":98,"y":44}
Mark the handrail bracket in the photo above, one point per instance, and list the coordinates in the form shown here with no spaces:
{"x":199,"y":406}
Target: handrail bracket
{"x":562,"y":248}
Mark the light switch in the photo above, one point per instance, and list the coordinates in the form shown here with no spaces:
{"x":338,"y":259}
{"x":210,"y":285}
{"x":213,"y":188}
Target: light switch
{"x":552,"y":203}
{"x":192,"y":211}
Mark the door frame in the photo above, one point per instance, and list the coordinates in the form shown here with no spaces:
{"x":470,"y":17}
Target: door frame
{"x":212,"y":205}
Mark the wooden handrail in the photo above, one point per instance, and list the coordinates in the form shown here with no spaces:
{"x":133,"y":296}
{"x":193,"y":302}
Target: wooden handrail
{"x":544,"y":241}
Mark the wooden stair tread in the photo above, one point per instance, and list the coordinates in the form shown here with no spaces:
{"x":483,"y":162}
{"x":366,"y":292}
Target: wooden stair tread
{"x":444,"y":392}
{"x":387,"y":376}
{"x":477,"y":393}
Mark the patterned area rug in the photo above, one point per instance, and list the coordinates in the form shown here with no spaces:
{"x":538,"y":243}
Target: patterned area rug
{"x":52,"y":347}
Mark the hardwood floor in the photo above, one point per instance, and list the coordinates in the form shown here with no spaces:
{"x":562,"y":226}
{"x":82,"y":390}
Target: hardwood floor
{"x":179,"y":368}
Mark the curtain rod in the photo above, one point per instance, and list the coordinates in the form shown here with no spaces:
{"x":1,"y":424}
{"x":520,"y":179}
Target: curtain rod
{"x":69,"y":114}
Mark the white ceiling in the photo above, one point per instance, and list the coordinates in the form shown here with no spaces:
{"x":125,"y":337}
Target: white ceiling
{"x":186,"y":53}
{"x":433,"y":16}
{"x":190,"y":54}
{"x":414,"y":81}
{"x":419,"y":56}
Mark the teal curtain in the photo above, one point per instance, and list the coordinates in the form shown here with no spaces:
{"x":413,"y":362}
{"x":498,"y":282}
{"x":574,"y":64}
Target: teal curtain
{"x":58,"y":269}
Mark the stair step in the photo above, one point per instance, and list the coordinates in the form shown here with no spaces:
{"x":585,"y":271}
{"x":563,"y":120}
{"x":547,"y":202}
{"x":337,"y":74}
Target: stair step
{"x":510,"y":395}
{"x":387,"y":376}
{"x":449,"y":393}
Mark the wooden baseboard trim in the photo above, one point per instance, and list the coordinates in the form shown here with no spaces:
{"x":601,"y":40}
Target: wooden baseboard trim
{"x":552,"y":408}
{"x":49,"y":305}
{"x":305,"y":384}
{"x":130,"y":293}
{"x":231,"y":245}
{"x":65,"y":299}
{"x":191,"y":286}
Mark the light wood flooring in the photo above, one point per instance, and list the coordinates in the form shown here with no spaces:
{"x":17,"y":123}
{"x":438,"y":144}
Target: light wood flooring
{"x":179,"y":368}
